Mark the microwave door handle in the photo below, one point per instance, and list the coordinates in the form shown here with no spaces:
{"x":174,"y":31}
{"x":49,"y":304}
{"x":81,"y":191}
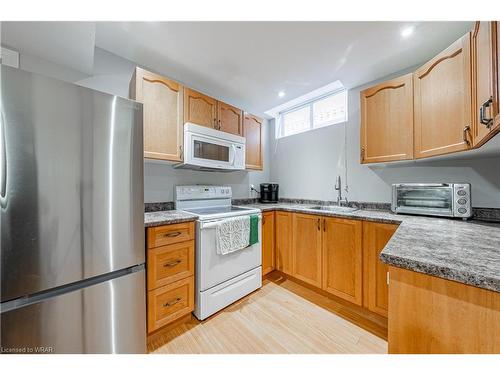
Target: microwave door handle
{"x":234,"y":154}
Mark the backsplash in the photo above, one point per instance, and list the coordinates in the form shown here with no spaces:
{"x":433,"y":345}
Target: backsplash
{"x":158,"y":206}
{"x":479,"y":213}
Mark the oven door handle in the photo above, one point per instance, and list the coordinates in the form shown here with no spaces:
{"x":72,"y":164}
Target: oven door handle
{"x":213,"y":224}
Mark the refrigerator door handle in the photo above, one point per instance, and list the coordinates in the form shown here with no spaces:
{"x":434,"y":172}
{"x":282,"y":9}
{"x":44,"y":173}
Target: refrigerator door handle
{"x":3,"y":159}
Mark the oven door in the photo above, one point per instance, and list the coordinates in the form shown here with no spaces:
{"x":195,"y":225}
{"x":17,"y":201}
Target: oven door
{"x":424,"y":199}
{"x":209,"y":152}
{"x":212,"y":268}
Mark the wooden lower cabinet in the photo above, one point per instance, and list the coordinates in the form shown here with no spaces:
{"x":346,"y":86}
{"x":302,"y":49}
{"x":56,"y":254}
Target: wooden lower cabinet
{"x":268,"y":242}
{"x":375,"y":237}
{"x":167,"y":264}
{"x":170,"y":273}
{"x":283,"y":241}
{"x":428,"y":314}
{"x":342,"y":258}
{"x":170,"y":302}
{"x":306,"y":248}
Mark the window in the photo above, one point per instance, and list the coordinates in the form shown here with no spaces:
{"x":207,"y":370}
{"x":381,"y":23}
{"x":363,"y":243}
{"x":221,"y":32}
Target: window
{"x":324,"y":111}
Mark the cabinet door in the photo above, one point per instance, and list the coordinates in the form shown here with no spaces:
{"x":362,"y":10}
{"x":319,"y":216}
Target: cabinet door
{"x":387,"y":121}
{"x":484,"y":78}
{"x":442,"y":99}
{"x":200,"y":109}
{"x":343,"y":258}
{"x":306,"y":248}
{"x":283,"y":227}
{"x":267,"y":242}
{"x":252,"y":131}
{"x":162,"y":101}
{"x":230,"y":119}
{"x":375,"y":237}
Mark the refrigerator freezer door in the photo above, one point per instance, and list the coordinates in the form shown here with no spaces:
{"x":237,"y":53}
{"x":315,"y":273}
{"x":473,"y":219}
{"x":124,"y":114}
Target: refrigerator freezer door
{"x":72,"y":203}
{"x":108,"y":317}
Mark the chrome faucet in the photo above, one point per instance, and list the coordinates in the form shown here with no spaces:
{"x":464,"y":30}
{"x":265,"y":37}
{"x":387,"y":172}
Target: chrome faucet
{"x":338,"y":187}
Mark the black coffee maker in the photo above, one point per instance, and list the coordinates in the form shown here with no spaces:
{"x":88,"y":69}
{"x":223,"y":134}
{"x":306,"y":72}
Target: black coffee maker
{"x":269,"y":193}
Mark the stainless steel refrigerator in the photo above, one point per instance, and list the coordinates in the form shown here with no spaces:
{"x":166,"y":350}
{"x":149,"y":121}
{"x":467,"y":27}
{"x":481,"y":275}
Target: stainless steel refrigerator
{"x":71,"y":219}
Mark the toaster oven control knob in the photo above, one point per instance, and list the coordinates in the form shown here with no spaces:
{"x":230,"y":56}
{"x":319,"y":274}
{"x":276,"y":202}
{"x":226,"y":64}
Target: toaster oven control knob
{"x":462,"y":210}
{"x":462,"y":201}
{"x":461,"y":192}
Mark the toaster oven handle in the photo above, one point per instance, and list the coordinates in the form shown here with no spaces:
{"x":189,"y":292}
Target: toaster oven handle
{"x":418,"y":185}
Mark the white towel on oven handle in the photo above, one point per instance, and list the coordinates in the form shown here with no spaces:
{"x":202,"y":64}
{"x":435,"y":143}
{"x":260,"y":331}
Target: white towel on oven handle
{"x":232,"y":234}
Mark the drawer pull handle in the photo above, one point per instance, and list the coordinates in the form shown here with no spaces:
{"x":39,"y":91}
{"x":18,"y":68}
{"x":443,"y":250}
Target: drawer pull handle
{"x":172,"y":302}
{"x":172,"y":263}
{"x":173,"y":234}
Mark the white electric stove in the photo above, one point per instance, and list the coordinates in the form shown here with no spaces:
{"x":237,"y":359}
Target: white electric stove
{"x":219,"y":279}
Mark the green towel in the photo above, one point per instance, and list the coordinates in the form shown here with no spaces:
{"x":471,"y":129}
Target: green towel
{"x":254,"y":229}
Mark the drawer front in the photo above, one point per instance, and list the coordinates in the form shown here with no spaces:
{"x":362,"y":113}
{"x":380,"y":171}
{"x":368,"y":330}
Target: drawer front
{"x":167,"y":264}
{"x":169,"y":234}
{"x":169,"y":303}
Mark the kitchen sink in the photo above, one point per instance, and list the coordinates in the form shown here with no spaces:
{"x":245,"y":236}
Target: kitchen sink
{"x":333,"y":208}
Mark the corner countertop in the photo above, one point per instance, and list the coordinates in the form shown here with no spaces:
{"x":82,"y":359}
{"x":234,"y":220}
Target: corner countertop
{"x":156,"y":218}
{"x":467,"y":252}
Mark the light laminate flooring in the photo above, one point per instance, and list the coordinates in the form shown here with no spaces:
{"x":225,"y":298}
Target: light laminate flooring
{"x":271,"y":320}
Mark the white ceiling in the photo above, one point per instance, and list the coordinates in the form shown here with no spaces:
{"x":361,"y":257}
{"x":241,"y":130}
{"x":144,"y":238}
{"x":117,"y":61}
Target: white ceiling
{"x":247,"y":63}
{"x":68,"y":44}
{"x":243,"y":63}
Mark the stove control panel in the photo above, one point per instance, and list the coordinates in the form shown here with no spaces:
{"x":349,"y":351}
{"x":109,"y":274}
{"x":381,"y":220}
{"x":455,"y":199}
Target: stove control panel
{"x":201,"y":192}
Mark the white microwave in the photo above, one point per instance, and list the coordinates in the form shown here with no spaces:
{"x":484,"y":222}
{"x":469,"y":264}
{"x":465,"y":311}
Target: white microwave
{"x":212,"y":150}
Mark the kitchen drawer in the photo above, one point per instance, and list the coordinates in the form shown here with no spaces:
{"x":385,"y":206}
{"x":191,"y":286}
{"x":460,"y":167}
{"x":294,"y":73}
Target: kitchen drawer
{"x":167,"y":264}
{"x":168,"y":303}
{"x":169,"y":234}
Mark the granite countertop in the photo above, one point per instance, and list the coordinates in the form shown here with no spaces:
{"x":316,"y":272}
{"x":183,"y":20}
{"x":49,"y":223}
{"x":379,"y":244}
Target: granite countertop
{"x":153,"y":219}
{"x":467,"y":252}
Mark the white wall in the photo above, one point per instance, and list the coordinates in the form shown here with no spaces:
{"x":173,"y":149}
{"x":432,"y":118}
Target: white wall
{"x":306,"y":165}
{"x":112,"y":74}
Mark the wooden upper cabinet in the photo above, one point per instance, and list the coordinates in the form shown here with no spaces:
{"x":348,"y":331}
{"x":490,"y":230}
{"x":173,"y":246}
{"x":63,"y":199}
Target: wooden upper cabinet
{"x":343,"y":258}
{"x":162,"y":101}
{"x":268,"y":253}
{"x":375,"y":237}
{"x":200,"y":109}
{"x":230,"y":119}
{"x":485,"y":81}
{"x":442,"y":101}
{"x":387,"y":121}
{"x":306,"y":249}
{"x":283,"y":232}
{"x":252,"y":131}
